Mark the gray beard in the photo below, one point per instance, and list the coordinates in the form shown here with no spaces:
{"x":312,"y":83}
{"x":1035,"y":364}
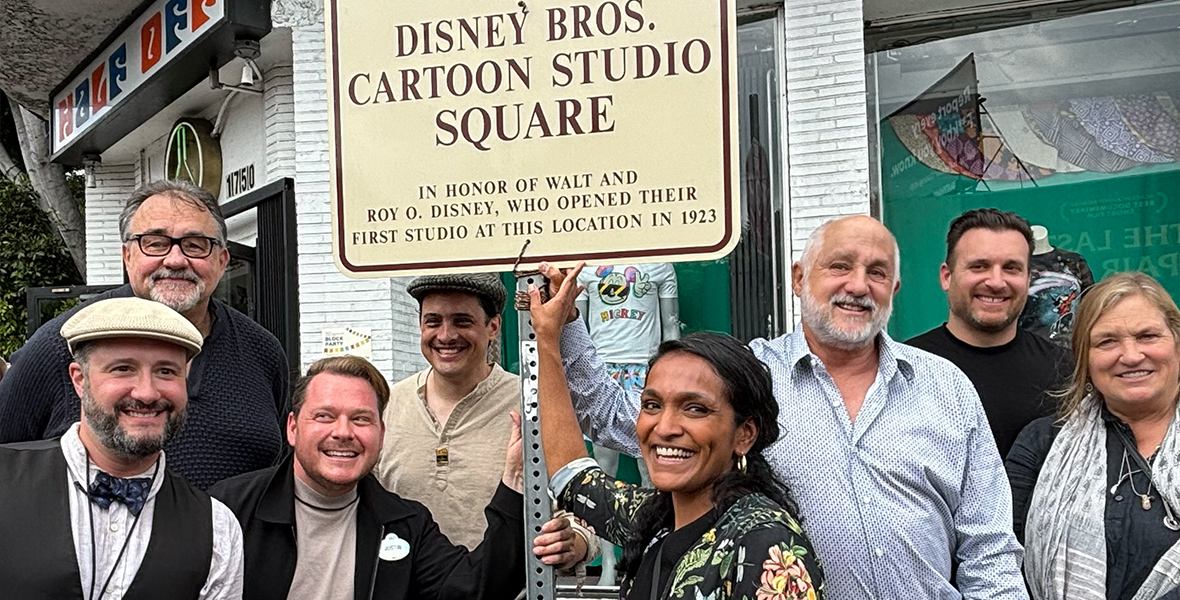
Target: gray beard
{"x":822,"y":326}
{"x":180,"y":305}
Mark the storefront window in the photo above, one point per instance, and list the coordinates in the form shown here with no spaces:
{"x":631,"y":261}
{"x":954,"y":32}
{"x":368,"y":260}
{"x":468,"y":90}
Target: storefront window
{"x":742,"y":294}
{"x":1072,"y":123}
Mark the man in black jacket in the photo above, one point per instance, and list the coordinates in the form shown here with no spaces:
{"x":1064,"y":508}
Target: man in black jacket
{"x":321,"y":526}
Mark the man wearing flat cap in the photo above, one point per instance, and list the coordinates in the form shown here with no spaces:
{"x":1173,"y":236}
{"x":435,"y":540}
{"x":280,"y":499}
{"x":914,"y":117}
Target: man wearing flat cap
{"x":97,"y":513}
{"x":174,"y":252}
{"x":445,"y":426}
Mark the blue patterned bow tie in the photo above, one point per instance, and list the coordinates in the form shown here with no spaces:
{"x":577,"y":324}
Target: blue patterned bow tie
{"x":131,"y":492}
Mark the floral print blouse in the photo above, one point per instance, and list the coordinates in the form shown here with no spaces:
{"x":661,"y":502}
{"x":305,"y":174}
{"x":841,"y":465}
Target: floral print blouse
{"x":755,"y":551}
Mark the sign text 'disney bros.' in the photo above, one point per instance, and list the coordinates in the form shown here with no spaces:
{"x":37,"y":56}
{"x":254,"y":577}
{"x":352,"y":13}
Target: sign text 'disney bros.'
{"x":601,"y":130}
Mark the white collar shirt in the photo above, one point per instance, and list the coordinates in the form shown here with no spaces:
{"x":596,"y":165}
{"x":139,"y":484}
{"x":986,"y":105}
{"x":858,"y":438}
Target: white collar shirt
{"x":111,"y":527}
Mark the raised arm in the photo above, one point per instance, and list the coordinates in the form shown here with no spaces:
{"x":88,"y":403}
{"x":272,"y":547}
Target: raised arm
{"x":559,"y":424}
{"x":605,"y":411}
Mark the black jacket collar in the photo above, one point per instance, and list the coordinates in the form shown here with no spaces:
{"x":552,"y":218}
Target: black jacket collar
{"x":277,"y":504}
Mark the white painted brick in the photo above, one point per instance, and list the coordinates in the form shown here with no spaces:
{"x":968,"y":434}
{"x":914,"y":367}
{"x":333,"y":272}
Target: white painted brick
{"x":846,"y":64}
{"x":813,"y":82}
{"x":817,"y":61}
{"x":279,"y":119}
{"x":809,"y":105}
{"x":816,"y":151}
{"x":803,"y":43}
{"x":793,"y":24}
{"x":845,"y":5}
{"x":794,"y":30}
{"x":327,"y":297}
{"x":848,"y":92}
{"x":802,"y":53}
{"x":846,"y":50}
{"x":837,"y":113}
{"x":104,"y":202}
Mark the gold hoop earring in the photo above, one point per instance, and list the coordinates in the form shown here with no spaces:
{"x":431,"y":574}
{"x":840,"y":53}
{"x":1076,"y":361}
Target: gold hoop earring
{"x":741,"y":463}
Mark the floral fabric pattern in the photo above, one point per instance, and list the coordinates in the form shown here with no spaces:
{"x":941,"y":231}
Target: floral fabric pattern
{"x":756,"y":550}
{"x":784,"y":576}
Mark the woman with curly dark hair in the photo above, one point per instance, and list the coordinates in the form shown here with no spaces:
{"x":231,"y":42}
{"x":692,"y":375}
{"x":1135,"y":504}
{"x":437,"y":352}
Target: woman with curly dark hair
{"x":718,"y":524}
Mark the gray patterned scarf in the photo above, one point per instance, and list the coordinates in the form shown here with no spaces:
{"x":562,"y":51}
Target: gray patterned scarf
{"x":1065,"y":534}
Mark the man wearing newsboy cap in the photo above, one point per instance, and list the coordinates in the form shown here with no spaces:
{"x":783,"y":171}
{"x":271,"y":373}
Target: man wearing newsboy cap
{"x":96,"y":513}
{"x":445,"y":425}
{"x":174,"y":252}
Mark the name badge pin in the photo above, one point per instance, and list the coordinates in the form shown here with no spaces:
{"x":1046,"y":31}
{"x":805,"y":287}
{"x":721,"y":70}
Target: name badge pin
{"x":393,"y":548}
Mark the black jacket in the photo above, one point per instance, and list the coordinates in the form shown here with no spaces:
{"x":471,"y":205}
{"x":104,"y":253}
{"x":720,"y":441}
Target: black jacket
{"x":264,"y":502}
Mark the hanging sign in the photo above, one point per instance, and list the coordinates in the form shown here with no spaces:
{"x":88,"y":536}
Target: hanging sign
{"x":161,"y":55}
{"x":602,"y":131}
{"x":159,"y":35}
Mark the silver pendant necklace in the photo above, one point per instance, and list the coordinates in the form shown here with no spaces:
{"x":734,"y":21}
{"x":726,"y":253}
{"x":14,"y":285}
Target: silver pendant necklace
{"x":1127,"y":474}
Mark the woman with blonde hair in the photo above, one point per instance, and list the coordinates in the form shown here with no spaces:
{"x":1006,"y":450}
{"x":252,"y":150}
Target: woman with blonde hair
{"x":1096,"y":492}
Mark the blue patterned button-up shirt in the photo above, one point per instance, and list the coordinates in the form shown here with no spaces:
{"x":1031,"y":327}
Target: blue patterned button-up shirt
{"x":891,"y":499}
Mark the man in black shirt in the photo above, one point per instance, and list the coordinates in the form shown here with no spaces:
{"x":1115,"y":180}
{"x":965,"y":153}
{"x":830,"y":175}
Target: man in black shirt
{"x":986,"y":278}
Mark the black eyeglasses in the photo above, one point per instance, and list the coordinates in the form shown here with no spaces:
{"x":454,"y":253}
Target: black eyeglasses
{"x":193,"y":246}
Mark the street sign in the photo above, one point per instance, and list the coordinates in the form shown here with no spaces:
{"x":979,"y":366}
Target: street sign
{"x":602,"y":131}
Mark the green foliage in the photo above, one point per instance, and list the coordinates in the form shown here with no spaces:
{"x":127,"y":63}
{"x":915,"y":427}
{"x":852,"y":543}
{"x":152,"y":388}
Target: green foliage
{"x":31,"y":255}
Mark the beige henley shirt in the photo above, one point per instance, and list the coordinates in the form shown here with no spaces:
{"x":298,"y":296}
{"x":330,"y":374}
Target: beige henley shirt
{"x":454,"y":470}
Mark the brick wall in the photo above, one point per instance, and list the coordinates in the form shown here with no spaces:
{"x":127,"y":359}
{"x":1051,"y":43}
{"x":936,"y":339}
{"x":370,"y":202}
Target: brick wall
{"x":104,"y":202}
{"x":278,"y":110}
{"x":827,"y":136}
{"x":326,"y":297}
{"x":405,"y":330}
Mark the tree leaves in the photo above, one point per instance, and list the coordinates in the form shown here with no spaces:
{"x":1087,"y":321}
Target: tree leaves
{"x":31,"y":255}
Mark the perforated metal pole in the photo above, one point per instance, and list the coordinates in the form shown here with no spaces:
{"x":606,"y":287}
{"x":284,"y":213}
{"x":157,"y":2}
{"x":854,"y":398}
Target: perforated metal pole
{"x":539,"y":579}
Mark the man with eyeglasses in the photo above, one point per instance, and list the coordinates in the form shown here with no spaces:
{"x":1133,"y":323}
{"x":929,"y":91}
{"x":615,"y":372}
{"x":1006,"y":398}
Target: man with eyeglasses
{"x":174,"y":251}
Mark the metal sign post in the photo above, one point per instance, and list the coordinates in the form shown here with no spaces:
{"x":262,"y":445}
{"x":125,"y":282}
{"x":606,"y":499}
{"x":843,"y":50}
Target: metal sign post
{"x":539,"y":583}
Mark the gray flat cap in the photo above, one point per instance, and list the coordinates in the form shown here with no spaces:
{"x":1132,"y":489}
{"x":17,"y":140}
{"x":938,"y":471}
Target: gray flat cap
{"x":485,"y":285}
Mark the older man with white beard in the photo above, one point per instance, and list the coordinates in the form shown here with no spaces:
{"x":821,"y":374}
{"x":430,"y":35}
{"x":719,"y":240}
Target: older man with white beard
{"x":174,"y":250}
{"x":885,"y":447}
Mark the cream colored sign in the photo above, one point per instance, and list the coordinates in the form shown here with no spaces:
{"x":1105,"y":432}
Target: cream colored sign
{"x":598,"y":131}
{"x":354,"y":341}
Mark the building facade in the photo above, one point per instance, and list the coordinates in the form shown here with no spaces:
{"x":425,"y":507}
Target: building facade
{"x":841,"y":112}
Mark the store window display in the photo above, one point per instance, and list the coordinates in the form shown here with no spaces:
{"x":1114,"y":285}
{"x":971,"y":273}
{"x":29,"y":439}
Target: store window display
{"x":1057,"y":280}
{"x":1071,"y":121}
